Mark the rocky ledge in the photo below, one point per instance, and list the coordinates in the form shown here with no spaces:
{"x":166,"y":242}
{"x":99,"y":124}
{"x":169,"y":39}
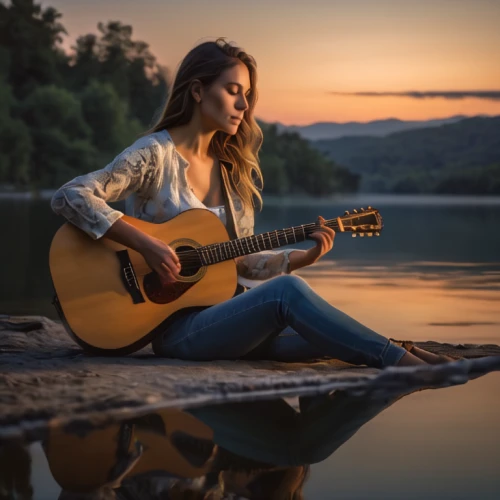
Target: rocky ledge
{"x":47,"y":380}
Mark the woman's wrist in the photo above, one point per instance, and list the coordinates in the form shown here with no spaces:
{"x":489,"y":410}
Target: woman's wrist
{"x":298,"y":259}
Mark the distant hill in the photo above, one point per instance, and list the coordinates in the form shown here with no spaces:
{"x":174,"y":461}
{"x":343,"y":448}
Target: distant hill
{"x":377,"y":128}
{"x":290,"y":165}
{"x":461,"y":157}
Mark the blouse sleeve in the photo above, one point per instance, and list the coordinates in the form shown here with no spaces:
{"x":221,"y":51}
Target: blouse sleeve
{"x":264,"y":265}
{"x":83,"y":200}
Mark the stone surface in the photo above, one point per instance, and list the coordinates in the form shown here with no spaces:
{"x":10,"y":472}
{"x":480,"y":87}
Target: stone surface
{"x":47,"y":380}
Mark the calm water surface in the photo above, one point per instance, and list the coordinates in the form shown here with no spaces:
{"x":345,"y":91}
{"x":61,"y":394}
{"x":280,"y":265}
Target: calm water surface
{"x":432,"y":444}
{"x":433,"y":274}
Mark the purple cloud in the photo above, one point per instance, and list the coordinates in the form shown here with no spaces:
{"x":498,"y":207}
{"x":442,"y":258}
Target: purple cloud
{"x":492,"y":95}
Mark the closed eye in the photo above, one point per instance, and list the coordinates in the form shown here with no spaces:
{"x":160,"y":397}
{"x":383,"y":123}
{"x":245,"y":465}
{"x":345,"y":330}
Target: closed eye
{"x":235,"y":92}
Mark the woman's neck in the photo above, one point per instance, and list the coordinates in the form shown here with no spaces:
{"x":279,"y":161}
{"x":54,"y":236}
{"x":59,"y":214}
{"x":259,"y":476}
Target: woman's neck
{"x":192,"y":142}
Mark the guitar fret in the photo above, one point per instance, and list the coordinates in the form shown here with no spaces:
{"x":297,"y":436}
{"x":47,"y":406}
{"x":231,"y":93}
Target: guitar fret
{"x":277,"y":237}
{"x":241,"y":246}
{"x":251,"y":242}
{"x":214,"y":253}
{"x":263,"y":243}
{"x":294,"y":235}
{"x":270,"y":241}
{"x":204,"y":256}
{"x":231,"y":246}
{"x":303,"y":231}
{"x":286,"y":239}
{"x":236,"y":242}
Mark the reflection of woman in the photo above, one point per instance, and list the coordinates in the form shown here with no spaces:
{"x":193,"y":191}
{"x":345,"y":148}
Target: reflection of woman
{"x":256,"y":450}
{"x":273,"y":433}
{"x":202,"y":153}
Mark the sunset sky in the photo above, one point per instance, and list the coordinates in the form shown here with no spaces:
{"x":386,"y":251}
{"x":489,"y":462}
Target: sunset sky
{"x":314,"y":55}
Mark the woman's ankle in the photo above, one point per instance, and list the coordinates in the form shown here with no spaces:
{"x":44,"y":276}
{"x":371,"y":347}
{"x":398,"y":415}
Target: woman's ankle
{"x":410,"y":359}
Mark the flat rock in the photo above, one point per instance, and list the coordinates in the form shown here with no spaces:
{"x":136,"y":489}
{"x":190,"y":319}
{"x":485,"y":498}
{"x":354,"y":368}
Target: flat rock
{"x":47,"y":380}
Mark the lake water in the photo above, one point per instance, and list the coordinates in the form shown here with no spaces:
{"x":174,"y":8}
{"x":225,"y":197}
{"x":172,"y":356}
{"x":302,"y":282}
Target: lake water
{"x":434,"y":274}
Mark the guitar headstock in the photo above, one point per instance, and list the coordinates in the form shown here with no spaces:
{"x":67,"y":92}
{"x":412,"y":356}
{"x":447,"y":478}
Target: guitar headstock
{"x":362,"y":221}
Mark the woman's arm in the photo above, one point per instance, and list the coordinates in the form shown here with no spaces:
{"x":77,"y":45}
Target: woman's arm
{"x":83,"y":202}
{"x":270,"y":263}
{"x":158,"y":255}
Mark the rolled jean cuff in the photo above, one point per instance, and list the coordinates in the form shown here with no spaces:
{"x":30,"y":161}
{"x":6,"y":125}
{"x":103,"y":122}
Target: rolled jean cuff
{"x":392,"y":354}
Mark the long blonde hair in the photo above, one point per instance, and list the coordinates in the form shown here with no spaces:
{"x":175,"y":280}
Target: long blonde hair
{"x":205,"y":63}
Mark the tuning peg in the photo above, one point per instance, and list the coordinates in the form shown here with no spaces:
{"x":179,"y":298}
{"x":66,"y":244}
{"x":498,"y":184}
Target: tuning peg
{"x":354,"y":235}
{"x":377,"y":234}
{"x":362,"y":209}
{"x":355,"y":211}
{"x":346,"y":212}
{"x":369,"y":235}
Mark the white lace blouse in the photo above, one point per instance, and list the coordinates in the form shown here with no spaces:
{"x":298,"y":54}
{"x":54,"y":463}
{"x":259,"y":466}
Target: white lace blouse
{"x":150,"y":176}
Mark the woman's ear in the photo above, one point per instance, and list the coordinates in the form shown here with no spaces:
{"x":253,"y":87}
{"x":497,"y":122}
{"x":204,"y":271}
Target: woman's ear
{"x":196,"y":90}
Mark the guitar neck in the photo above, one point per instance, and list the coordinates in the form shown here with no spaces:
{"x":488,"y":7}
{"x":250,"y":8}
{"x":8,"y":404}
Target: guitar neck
{"x":218,"y":252}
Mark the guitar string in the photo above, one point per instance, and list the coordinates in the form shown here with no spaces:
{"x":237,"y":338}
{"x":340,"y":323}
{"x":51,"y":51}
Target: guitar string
{"x":193,"y":256}
{"x":270,"y":235}
{"x":192,"y":259}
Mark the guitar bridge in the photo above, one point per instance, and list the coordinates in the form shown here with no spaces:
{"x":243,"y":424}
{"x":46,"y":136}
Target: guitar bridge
{"x":129,"y":277}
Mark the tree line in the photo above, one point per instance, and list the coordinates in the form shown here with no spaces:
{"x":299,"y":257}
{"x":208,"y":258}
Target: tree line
{"x":63,"y":114}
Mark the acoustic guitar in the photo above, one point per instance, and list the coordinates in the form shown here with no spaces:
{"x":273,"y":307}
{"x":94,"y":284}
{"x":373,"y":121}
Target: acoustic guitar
{"x":111,"y":302}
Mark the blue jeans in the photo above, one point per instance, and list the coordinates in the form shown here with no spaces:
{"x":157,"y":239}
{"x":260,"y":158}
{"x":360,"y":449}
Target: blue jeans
{"x":283,"y":319}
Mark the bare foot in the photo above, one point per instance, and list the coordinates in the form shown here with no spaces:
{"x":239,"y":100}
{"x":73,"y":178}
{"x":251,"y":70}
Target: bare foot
{"x":410,"y":359}
{"x":431,"y":358}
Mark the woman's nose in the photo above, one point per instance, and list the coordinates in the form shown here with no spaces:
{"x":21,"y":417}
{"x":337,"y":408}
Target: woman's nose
{"x":242,"y":104}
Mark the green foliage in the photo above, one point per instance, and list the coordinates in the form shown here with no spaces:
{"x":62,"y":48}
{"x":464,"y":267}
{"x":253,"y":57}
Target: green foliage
{"x":290,"y":165}
{"x":31,"y":35}
{"x":481,"y":180}
{"x":62,"y":115}
{"x":58,"y":159}
{"x":15,"y":151}
{"x":15,"y":139}
{"x":61,"y":137}
{"x":127,"y":65}
{"x":450,"y":158}
{"x":55,"y":107}
{"x":106,"y":115}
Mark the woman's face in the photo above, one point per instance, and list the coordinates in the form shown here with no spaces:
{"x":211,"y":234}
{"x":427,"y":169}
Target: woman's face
{"x":224,"y":103}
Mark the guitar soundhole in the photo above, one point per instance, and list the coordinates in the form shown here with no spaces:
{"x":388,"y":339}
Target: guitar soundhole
{"x":189,"y":265}
{"x":163,"y":294}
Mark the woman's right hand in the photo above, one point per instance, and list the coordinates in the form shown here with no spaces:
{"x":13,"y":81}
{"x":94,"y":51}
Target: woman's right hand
{"x":161,"y":258}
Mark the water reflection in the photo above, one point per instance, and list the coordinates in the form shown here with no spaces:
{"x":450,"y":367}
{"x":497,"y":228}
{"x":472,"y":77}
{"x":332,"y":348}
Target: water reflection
{"x":254,"y":450}
{"x":423,"y":239}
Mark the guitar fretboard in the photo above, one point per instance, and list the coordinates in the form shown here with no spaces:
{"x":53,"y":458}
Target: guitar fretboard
{"x":219,"y":252}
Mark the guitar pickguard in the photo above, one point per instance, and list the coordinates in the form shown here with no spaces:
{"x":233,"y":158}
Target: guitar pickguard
{"x":164,"y":294}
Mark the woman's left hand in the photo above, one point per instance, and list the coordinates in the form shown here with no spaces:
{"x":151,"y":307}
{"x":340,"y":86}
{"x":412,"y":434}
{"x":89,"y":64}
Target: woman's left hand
{"x":324,"y":238}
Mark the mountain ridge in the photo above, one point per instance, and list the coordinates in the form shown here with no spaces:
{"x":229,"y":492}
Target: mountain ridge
{"x":461,"y":157}
{"x":374,"y":128}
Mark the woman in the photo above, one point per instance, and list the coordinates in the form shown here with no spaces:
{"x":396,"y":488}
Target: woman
{"x":202,"y":153}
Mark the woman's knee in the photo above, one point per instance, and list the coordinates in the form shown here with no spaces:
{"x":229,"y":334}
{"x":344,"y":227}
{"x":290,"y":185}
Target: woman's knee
{"x":291,"y":289}
{"x":292,"y":284}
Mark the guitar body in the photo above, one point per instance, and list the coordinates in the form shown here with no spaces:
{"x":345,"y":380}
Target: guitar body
{"x":112,"y":302}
